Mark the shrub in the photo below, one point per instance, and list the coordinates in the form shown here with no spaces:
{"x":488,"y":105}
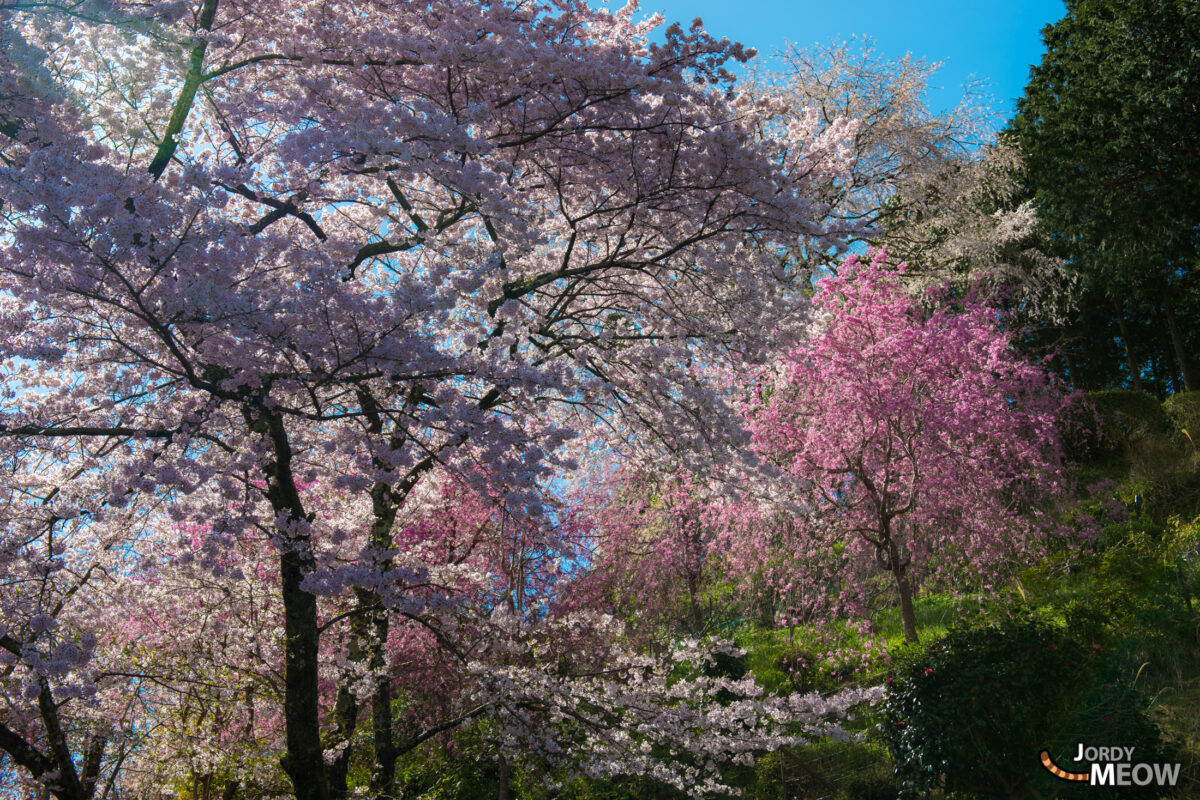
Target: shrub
{"x":1126,"y":416}
{"x":1144,"y":440}
{"x":1183,"y":409}
{"x":830,"y":653}
{"x":869,"y":786}
{"x":973,"y":709}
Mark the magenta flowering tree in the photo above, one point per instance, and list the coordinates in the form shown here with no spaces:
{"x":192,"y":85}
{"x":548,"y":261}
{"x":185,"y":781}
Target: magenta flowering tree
{"x":647,"y":540}
{"x":249,"y":249}
{"x":916,"y":443}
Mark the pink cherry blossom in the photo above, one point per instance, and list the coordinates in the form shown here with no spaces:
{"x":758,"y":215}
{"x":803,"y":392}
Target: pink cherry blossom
{"x":915,"y":444}
{"x":276,"y":277}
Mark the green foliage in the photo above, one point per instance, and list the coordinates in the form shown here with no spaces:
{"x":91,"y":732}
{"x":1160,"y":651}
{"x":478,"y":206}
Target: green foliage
{"x":1135,"y":597}
{"x":1145,"y":583}
{"x":763,"y":651}
{"x":808,"y":658}
{"x":934,"y":613}
{"x":1137,"y":441}
{"x":1184,"y":410}
{"x":1112,"y":168}
{"x":580,"y":788}
{"x":1114,"y":172}
{"x":825,"y":768}
{"x":463,"y":767}
{"x":870,"y":785}
{"x":971,"y":711}
{"x":1127,"y":417}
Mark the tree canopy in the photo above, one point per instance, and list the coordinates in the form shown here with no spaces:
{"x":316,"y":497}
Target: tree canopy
{"x":402,"y":388}
{"x":1108,"y":127}
{"x":272,"y":273}
{"x":911,"y":441}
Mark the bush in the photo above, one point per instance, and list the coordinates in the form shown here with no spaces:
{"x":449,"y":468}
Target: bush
{"x":1125,"y":417}
{"x":1183,"y":409}
{"x":829,"y":654}
{"x":869,"y":786}
{"x":1141,"y":442}
{"x":856,"y":770}
{"x":972,"y":711}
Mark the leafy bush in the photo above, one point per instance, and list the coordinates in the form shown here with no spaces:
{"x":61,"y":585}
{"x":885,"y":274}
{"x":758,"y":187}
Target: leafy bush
{"x":870,"y":786}
{"x":824,"y":768}
{"x":1140,"y":443}
{"x":829,"y":654}
{"x":466,"y":769}
{"x":1183,"y":409}
{"x":972,"y":710}
{"x":1126,"y":417}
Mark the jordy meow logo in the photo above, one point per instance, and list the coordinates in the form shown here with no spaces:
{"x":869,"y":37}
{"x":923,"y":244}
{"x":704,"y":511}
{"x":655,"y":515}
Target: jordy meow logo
{"x":1113,"y":766}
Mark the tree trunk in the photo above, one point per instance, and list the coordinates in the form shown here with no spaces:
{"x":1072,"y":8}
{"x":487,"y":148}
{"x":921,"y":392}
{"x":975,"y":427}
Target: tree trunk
{"x":345,"y":714}
{"x":694,"y":605}
{"x":888,"y":551}
{"x":502,"y":794}
{"x":1190,"y":383}
{"x":304,"y":762}
{"x":766,"y":607}
{"x":907,"y":615}
{"x":1069,"y":371}
{"x":93,"y":760}
{"x":1187,"y":600}
{"x":384,"y":505}
{"x":1135,"y":372}
{"x":68,"y":778}
{"x":384,"y":773}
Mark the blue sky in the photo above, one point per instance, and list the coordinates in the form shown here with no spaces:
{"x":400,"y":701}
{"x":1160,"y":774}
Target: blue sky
{"x":995,"y":40}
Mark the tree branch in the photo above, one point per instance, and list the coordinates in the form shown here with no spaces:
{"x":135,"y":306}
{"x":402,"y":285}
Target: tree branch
{"x":187,"y":95}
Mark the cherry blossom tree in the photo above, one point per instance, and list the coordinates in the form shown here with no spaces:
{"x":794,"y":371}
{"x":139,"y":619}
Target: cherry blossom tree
{"x":973,"y":225}
{"x":900,"y":144}
{"x":935,"y":187}
{"x":913,"y":441}
{"x":647,"y":540}
{"x":253,"y":248}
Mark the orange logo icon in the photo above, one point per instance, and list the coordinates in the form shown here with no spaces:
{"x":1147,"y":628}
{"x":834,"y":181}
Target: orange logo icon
{"x":1058,"y":771}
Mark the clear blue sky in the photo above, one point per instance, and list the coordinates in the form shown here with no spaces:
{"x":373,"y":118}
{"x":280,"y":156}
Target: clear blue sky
{"x":996,"y":40}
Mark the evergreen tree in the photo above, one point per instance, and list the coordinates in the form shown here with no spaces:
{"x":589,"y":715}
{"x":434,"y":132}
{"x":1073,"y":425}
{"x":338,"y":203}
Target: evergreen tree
{"x":1109,"y":127}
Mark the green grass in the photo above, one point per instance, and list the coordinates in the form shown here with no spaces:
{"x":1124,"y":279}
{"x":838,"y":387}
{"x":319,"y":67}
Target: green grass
{"x":764,"y":648}
{"x":935,"y":615}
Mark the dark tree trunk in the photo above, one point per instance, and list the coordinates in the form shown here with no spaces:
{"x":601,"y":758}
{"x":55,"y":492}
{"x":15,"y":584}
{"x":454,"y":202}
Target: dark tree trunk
{"x":1182,"y":358}
{"x":345,"y":712}
{"x":766,"y":606}
{"x":68,"y":778}
{"x":369,"y":633}
{"x":93,"y":760}
{"x":503,"y":780}
{"x":887,"y":551}
{"x":384,"y":503}
{"x":385,"y":500}
{"x":304,"y":762}
{"x":695,"y":612}
{"x":384,"y":773}
{"x":1131,"y":362}
{"x":1187,"y":600}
